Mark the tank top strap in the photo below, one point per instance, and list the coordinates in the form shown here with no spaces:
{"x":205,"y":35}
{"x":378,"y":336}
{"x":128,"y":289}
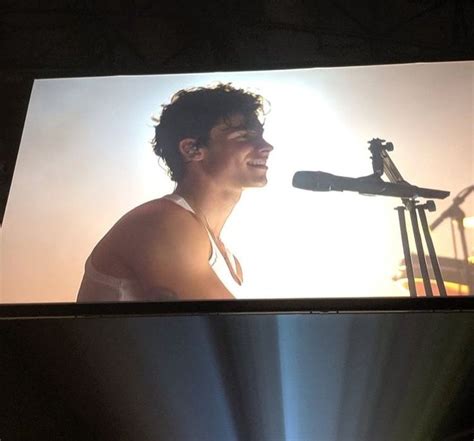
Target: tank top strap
{"x":218,"y":263}
{"x":179,"y":200}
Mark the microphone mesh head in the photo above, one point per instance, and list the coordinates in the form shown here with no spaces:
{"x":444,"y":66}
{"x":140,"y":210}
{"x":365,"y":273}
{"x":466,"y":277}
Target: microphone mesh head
{"x":311,"y":180}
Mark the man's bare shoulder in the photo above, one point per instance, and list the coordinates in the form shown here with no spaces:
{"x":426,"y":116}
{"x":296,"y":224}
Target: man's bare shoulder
{"x":157,"y":223}
{"x":155,"y":211}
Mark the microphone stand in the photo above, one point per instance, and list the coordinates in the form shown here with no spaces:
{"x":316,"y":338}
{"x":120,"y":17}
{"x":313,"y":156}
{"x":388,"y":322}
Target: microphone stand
{"x":382,"y":163}
{"x":455,"y":213}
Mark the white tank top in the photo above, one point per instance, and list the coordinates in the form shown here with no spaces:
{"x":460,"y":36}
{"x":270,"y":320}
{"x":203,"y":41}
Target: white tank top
{"x":114,"y":289}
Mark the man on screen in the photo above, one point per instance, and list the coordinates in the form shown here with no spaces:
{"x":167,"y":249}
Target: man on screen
{"x":211,"y":140}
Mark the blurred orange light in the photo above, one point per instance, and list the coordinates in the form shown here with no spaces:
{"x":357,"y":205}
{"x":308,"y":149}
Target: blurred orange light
{"x":452,"y":288}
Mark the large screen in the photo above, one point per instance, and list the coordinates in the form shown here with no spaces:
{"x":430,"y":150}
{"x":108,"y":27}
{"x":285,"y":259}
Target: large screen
{"x":86,"y":159}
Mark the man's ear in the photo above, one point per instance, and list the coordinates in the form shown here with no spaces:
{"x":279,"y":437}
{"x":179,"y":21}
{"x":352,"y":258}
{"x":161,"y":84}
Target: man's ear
{"x":190,"y":150}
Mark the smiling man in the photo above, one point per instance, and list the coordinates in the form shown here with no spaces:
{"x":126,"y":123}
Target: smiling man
{"x":211,"y":140}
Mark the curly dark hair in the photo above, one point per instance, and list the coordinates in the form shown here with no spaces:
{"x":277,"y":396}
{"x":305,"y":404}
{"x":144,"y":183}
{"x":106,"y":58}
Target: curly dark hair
{"x":192,"y":113}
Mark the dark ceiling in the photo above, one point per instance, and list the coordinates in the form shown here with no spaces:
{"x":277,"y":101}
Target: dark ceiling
{"x":71,"y":38}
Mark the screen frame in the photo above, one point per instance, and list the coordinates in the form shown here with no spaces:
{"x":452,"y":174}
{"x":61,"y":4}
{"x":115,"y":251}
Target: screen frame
{"x":232,"y":307}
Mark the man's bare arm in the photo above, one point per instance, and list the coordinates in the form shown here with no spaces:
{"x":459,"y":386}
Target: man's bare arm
{"x":170,"y":254}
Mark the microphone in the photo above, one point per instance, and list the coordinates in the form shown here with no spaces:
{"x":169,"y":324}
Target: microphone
{"x":368,"y":185}
{"x":321,"y":181}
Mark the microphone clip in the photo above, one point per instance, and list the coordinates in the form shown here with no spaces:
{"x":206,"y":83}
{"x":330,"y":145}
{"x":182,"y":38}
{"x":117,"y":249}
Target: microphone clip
{"x":378,"y":147}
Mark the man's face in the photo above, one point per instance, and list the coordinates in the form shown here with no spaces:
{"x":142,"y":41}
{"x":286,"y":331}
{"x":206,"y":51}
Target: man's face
{"x":237,"y":153}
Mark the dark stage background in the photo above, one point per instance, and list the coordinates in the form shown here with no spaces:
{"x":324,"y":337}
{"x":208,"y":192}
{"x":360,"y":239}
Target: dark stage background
{"x":262,"y":377}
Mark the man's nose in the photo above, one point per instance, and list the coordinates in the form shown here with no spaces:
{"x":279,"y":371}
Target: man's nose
{"x":265,"y":146}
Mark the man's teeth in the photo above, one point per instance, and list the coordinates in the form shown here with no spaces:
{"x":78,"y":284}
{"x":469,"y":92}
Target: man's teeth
{"x":258,"y":162}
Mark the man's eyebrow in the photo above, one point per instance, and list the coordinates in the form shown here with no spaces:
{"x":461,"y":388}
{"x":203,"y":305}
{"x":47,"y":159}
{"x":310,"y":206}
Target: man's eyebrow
{"x":244,"y":128}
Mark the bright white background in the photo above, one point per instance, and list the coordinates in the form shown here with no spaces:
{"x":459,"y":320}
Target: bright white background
{"x":85,"y":159}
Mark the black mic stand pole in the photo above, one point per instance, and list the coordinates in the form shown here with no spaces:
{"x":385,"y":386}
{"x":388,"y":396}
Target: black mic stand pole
{"x":430,"y":206}
{"x":382,"y":163}
{"x":406,"y":251}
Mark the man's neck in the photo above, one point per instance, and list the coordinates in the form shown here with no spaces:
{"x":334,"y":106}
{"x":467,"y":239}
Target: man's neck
{"x":209,"y":200}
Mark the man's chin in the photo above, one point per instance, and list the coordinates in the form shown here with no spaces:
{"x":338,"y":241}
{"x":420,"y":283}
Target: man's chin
{"x":257,"y":183}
